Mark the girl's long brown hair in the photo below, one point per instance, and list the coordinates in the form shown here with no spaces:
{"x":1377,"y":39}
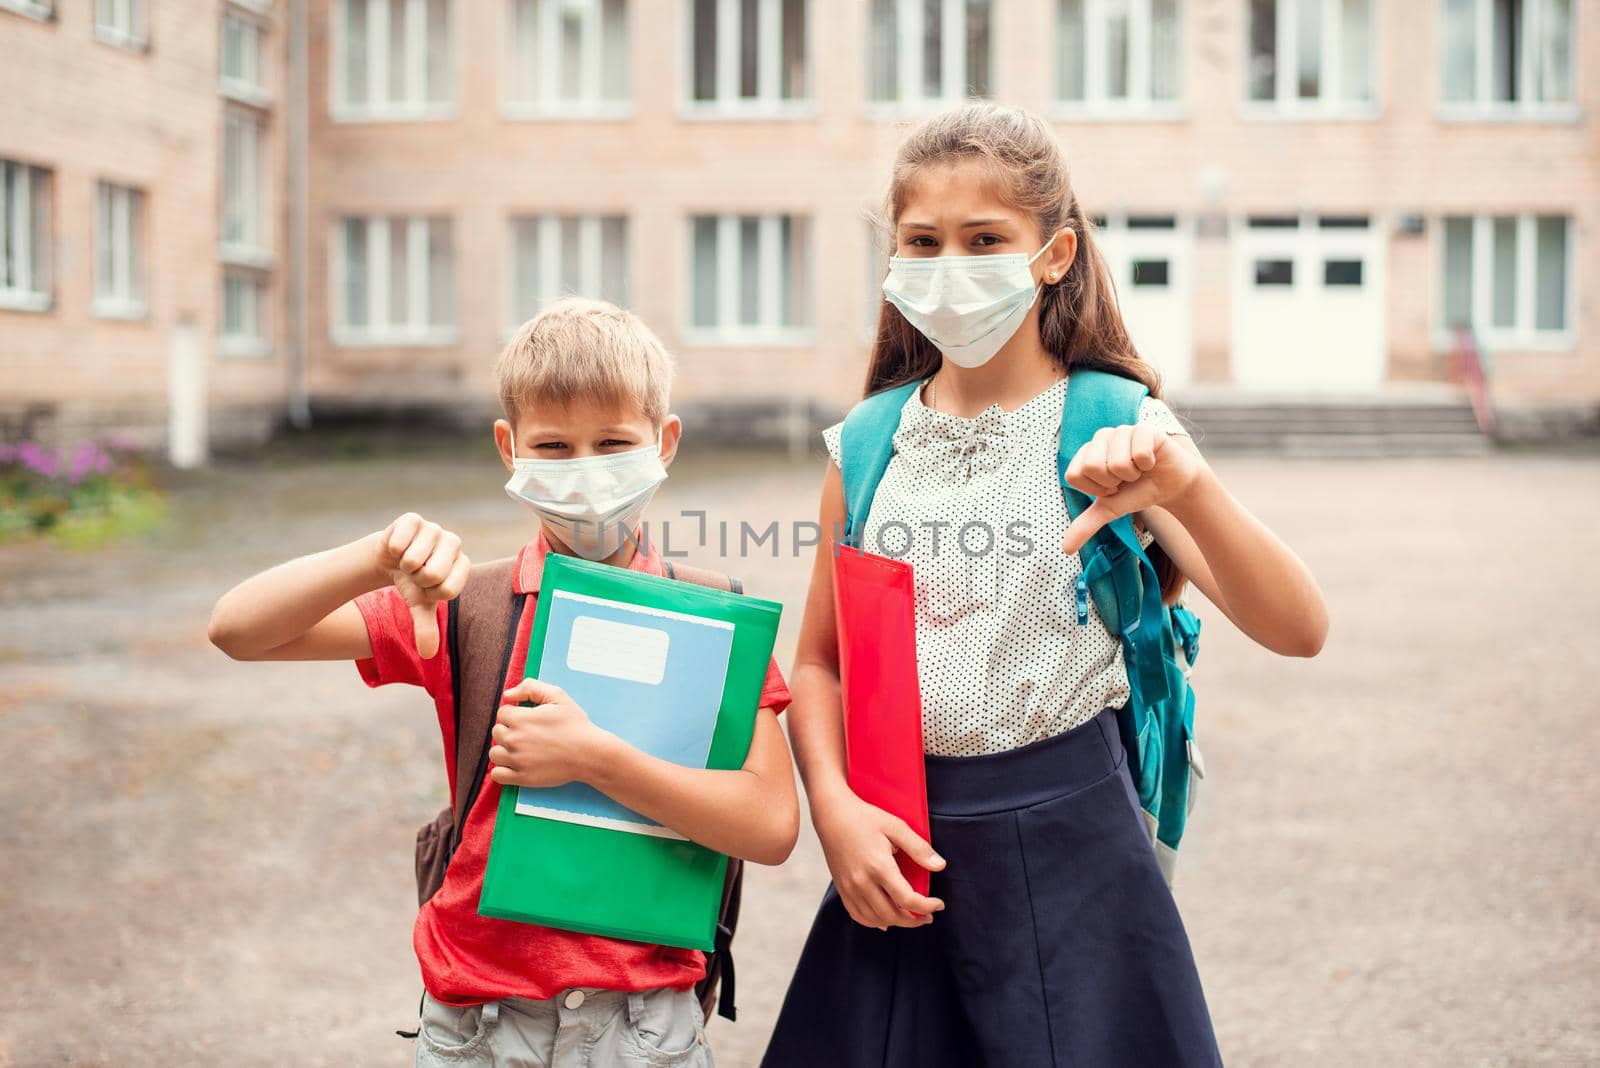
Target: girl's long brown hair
{"x":1080,"y":323}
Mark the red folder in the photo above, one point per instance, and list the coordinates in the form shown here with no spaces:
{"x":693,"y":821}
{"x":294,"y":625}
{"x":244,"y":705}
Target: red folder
{"x":873,"y":599}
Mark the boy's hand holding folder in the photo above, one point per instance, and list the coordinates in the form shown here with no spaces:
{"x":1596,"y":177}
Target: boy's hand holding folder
{"x":544,"y":739}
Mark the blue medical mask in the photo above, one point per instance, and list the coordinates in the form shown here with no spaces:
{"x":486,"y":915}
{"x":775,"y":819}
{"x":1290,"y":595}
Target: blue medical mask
{"x":968,"y":306}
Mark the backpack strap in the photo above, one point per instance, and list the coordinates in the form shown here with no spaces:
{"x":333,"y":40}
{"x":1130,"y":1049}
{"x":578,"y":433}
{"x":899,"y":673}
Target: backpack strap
{"x":481,"y":630}
{"x":866,"y":445}
{"x":1095,"y":400}
{"x":1120,"y":577}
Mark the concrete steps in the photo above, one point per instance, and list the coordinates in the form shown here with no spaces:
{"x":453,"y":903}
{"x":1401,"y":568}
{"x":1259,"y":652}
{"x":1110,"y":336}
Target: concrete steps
{"x":1416,"y":421}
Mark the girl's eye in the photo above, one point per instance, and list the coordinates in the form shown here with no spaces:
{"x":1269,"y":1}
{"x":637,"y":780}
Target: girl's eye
{"x":985,"y":240}
{"x":922,"y":241}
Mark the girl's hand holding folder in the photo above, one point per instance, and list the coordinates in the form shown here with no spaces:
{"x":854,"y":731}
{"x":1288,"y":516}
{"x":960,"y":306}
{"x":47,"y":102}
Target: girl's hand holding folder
{"x":859,"y":841}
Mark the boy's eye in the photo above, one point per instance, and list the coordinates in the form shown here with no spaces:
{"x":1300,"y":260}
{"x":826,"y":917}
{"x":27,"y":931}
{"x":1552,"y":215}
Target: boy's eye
{"x":551,"y":446}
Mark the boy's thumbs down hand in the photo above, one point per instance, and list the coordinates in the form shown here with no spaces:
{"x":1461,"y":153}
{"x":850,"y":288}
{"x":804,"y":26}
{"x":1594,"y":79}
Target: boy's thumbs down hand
{"x":425,"y":563}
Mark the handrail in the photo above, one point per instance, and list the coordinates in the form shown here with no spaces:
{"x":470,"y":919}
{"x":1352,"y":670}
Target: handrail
{"x":1472,"y":371}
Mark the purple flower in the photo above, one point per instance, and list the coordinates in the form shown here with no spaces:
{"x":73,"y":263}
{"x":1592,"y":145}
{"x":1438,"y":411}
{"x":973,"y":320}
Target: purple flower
{"x":8,"y":453}
{"x":88,"y":457}
{"x":41,"y":462}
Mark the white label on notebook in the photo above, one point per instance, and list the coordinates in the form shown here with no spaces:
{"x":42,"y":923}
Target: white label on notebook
{"x":618,"y":650}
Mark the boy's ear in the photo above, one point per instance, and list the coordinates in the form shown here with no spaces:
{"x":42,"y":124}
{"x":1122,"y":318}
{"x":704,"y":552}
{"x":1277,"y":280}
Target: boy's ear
{"x":504,"y":435}
{"x":671,"y":433}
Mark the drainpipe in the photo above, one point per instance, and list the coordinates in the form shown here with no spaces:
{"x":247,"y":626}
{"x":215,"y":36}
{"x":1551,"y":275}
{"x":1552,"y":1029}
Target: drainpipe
{"x":299,"y":186}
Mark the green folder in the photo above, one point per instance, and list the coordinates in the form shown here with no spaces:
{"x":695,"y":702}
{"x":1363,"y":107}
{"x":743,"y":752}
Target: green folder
{"x":678,"y":670}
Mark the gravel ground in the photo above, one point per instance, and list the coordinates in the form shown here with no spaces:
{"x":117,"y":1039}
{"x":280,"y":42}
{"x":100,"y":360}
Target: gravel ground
{"x":1394,"y":860}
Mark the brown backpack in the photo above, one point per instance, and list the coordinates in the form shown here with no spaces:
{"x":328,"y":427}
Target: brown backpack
{"x":481,"y":629}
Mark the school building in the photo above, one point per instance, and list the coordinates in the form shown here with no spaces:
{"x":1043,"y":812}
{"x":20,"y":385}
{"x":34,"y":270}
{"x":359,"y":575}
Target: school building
{"x":219,"y":215}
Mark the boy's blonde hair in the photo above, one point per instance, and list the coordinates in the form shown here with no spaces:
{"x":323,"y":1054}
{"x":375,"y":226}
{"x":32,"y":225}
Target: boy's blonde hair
{"x":587,"y":349}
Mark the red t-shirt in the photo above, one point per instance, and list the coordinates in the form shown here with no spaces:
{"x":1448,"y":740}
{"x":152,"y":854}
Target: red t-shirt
{"x":467,"y":958}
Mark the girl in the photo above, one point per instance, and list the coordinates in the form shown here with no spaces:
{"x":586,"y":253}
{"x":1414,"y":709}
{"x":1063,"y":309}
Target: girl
{"x":1051,"y":937}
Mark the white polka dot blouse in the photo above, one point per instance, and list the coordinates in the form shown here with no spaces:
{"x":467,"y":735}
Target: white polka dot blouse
{"x":975,"y":507}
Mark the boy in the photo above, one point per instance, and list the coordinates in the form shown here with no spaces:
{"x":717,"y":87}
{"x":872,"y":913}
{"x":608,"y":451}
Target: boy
{"x":586,"y":437}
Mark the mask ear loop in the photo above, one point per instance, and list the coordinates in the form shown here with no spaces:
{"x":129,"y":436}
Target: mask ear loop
{"x":1044,"y":248}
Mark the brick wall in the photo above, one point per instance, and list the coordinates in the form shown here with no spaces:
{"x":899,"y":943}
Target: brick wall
{"x":150,"y":119}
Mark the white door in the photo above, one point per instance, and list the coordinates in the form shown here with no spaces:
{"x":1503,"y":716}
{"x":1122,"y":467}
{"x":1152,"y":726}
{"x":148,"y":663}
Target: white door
{"x":1308,"y":296}
{"x":1149,"y":257}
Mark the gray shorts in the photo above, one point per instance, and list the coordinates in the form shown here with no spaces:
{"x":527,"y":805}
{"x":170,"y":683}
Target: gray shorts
{"x":578,"y":1028}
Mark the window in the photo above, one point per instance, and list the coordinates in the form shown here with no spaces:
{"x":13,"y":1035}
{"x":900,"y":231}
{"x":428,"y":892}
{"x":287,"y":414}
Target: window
{"x":241,"y":58}
{"x":118,"y":255}
{"x":747,"y":55}
{"x":751,"y":277}
{"x":1343,"y":272}
{"x":120,"y":22}
{"x":1312,"y":55}
{"x":567,"y":57}
{"x":1152,"y":273}
{"x":553,"y":256}
{"x":1507,"y":56}
{"x":1274,"y":272}
{"x":24,"y":237}
{"x":1509,"y":277}
{"x":396,"y":278}
{"x":244,"y":306}
{"x":392,"y":59}
{"x":35,"y":9}
{"x":244,"y":238}
{"x":929,"y":51}
{"x":1119,"y":54}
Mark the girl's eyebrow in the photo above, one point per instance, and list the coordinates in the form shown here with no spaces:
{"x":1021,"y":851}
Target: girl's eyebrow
{"x":965,"y":226}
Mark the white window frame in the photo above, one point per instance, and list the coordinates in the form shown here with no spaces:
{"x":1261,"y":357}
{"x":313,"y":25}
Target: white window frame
{"x":245,"y":344}
{"x":1524,"y":336}
{"x":1328,"y":103}
{"x":128,"y":25}
{"x":120,"y":217}
{"x":909,"y":97}
{"x":414,"y":108}
{"x":591,"y":258}
{"x":768,"y":103}
{"x":17,"y":233}
{"x":244,"y":90}
{"x":42,"y":10}
{"x":768,"y":332}
{"x":379,"y":330}
{"x":1485,"y":107}
{"x":548,"y":104}
{"x":1138,"y":104}
{"x":255,"y":249}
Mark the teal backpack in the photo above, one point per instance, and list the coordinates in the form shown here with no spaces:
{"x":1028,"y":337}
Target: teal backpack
{"x":1159,"y":643}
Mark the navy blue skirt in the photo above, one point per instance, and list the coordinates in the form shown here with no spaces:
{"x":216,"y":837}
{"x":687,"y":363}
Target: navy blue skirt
{"x":1059,"y":943}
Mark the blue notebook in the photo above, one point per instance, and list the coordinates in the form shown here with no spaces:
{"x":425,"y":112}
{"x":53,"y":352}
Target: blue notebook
{"x":652,"y":676}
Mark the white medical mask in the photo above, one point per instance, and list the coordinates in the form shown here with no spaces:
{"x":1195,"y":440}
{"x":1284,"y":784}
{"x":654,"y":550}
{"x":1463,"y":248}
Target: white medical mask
{"x":592,"y":503}
{"x":968,"y":306}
